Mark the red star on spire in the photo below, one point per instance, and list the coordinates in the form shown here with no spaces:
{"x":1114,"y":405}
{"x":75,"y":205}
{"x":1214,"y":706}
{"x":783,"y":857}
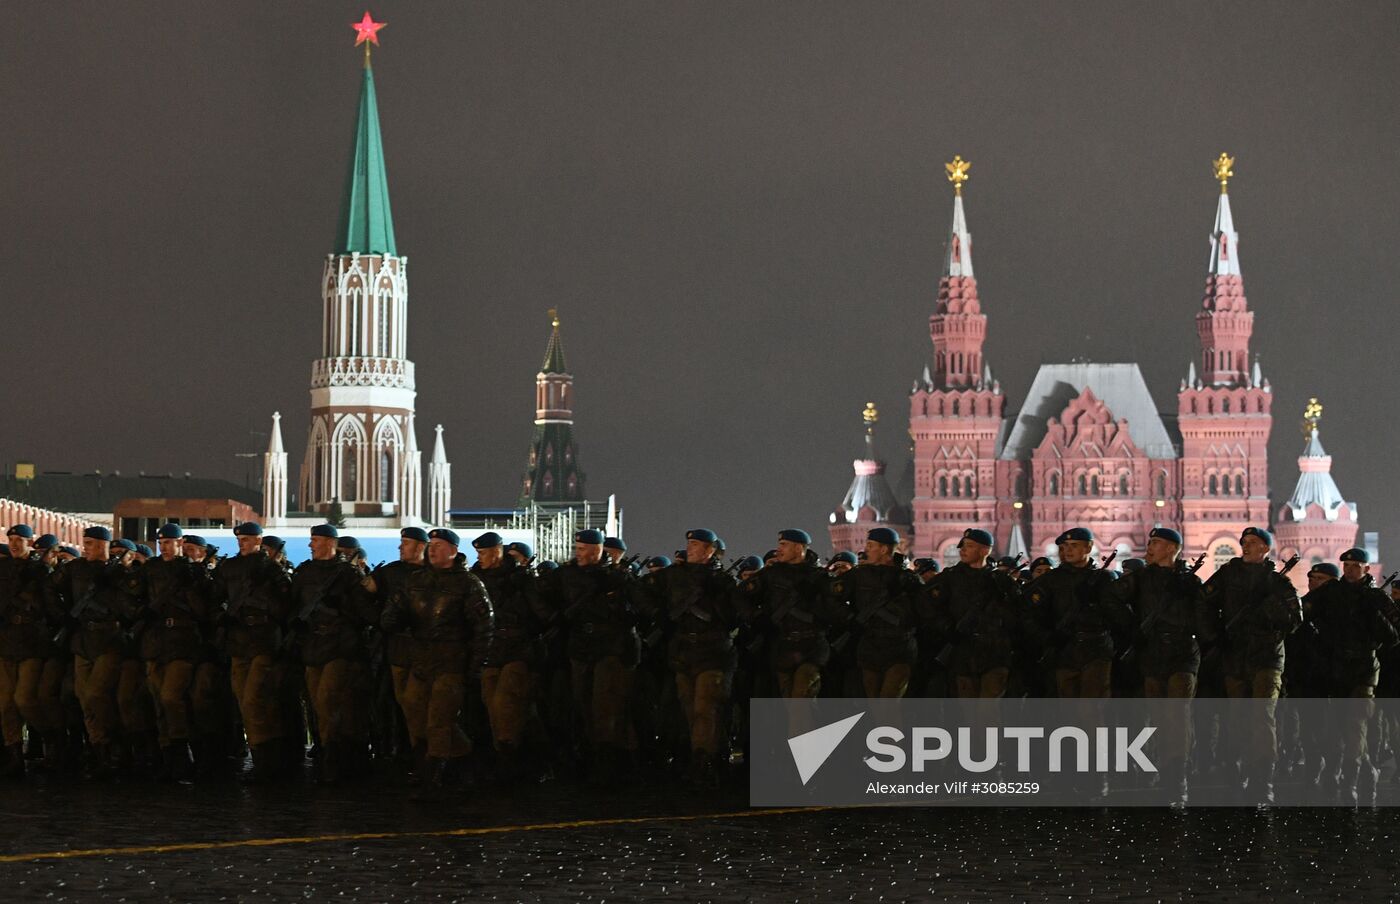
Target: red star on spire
{"x":367,"y":30}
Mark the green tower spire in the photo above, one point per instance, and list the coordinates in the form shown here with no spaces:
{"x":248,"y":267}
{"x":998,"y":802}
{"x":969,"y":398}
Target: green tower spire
{"x":366,"y":225}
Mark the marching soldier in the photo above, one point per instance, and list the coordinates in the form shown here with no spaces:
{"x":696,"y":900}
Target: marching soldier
{"x":252,"y":593}
{"x":386,"y":582}
{"x":616,"y":551}
{"x":888,"y":606}
{"x":330,"y":609}
{"x":978,"y":614}
{"x":792,"y":595}
{"x":593,"y":603}
{"x":1260,"y":608}
{"x":95,"y":594}
{"x":696,"y":600}
{"x":1168,"y":602}
{"x":1351,"y":627}
{"x":841,"y":563}
{"x":447,"y":609}
{"x":510,"y":677}
{"x":176,"y":616}
{"x":29,"y":676}
{"x":1076,"y":622}
{"x":134,"y":701}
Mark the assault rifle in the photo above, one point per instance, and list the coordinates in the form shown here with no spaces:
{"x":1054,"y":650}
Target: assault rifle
{"x":299,"y":621}
{"x":75,"y":615}
{"x":1287,"y":567}
{"x":1151,"y":620}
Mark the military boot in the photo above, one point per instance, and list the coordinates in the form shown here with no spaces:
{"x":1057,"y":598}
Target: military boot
{"x":178,"y":763}
{"x":1368,"y":784}
{"x":160,"y":771}
{"x":434,"y":780}
{"x":105,"y":759}
{"x":329,"y":765}
{"x":1261,"y":784}
{"x":54,"y":753}
{"x":1172,"y":787}
{"x":14,"y":762}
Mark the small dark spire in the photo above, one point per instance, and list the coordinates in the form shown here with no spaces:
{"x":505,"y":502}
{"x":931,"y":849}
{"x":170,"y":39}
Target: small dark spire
{"x":554,"y":353}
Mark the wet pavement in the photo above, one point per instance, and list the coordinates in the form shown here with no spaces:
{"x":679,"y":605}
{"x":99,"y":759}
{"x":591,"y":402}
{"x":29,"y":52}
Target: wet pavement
{"x":563,"y":841}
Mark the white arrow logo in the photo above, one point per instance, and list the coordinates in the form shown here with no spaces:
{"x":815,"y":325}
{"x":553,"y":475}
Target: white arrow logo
{"x":811,"y":749}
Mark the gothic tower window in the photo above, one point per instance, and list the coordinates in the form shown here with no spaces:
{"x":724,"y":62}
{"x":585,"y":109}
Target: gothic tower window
{"x":1123,"y":484}
{"x":1224,"y":484}
{"x":1159,"y":485}
{"x":1212,"y":486}
{"x":942,"y":485}
{"x":1081,"y":485}
{"x":386,"y":475}
{"x":1054,"y":484}
{"x":349,"y":472}
{"x":1094,"y":484}
{"x":1225,"y":402}
{"x":1239,"y":484}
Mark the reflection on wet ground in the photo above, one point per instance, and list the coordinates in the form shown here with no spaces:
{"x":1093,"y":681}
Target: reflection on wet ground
{"x":646,"y":853}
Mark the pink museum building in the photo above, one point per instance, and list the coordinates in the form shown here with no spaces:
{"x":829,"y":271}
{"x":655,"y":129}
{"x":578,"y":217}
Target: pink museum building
{"x":1089,"y":445}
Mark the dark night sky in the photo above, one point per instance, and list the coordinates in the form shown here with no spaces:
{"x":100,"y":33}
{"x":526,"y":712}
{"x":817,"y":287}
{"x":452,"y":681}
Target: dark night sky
{"x":739,"y":209}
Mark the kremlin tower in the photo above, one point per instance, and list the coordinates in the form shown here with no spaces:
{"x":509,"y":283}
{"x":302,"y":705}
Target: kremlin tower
{"x":552,"y":474}
{"x":361,"y":454}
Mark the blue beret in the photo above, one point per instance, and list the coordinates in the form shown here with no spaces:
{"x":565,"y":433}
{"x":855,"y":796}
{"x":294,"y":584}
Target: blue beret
{"x":589,"y":536}
{"x":719,"y":544}
{"x":1008,"y":561}
{"x":196,"y":539}
{"x":750,"y":563}
{"x":274,"y":543}
{"x":98,"y":533}
{"x":1076,"y":533}
{"x":71,"y":550}
{"x":615,"y":543}
{"x":1133,"y":565}
{"x":145,"y":550}
{"x":325,"y":530}
{"x":701,"y":534}
{"x":1357,"y":554}
{"x":659,"y":562}
{"x":844,"y":556}
{"x":525,"y":549}
{"x":1259,"y":532}
{"x":488,"y":540}
{"x":347,"y":542}
{"x":1039,"y":561}
{"x":1164,"y":533}
{"x":47,"y":541}
{"x":924,"y":566}
{"x":446,"y":534}
{"x":548,"y":565}
{"x":1327,"y":568}
{"x":977,"y":535}
{"x":886,"y":535}
{"x":414,"y":533}
{"x":170,"y":532}
{"x":248,"y":529}
{"x":125,"y":544}
{"x":793,"y":535}
{"x":21,"y":530}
